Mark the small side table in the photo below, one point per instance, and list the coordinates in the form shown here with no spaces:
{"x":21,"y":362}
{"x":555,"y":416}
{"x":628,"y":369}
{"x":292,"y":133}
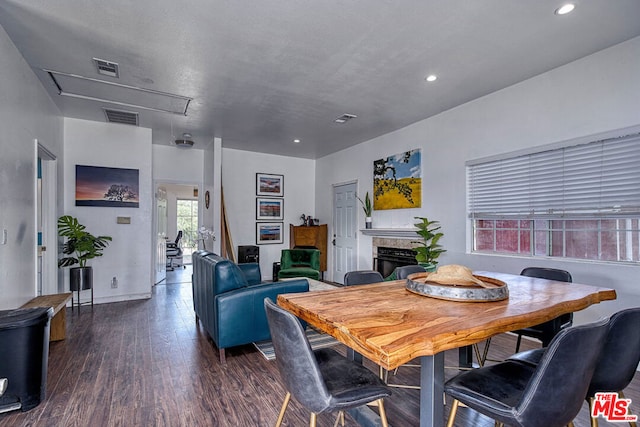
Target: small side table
{"x":58,"y":329}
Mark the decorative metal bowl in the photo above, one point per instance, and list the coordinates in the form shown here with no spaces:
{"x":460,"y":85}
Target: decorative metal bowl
{"x":495,"y":290}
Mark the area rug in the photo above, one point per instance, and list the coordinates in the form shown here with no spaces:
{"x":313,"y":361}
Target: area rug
{"x":316,"y":339}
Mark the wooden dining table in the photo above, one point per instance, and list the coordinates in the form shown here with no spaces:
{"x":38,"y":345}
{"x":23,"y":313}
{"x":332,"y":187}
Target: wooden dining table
{"x":391,"y":326}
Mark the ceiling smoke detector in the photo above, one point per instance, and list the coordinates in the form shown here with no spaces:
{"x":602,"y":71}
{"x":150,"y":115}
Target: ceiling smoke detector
{"x":185,"y":142}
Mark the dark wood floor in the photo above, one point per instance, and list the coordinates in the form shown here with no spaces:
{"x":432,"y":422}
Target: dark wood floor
{"x":146,"y":363}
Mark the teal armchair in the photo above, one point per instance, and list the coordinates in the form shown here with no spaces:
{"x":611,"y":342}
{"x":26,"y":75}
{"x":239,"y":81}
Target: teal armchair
{"x":300,"y":263}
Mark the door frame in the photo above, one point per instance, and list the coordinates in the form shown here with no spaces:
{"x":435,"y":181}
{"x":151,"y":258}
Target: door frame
{"x":49,"y":190}
{"x":164,"y":182}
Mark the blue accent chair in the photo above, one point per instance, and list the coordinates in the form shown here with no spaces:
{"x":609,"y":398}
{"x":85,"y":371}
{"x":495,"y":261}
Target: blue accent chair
{"x":228,"y":299}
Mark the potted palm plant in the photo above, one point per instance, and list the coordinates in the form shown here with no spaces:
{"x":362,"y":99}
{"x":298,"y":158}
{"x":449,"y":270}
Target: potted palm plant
{"x":429,"y":249}
{"x":80,"y":246}
{"x":367,"y":208}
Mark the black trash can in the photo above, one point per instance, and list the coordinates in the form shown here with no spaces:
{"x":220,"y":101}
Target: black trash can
{"x":276,"y":270}
{"x":24,"y":353}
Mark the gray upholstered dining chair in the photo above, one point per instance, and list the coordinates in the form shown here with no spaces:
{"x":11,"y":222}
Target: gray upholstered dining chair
{"x":619,"y":358}
{"x":549,"y":394}
{"x":362,"y":277}
{"x":322,"y":380}
{"x":544,"y":331}
{"x":547,"y":330}
{"x":404,"y":271}
{"x":617,"y":362}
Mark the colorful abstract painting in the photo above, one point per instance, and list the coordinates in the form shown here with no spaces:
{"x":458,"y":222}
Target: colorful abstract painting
{"x":397,"y":181}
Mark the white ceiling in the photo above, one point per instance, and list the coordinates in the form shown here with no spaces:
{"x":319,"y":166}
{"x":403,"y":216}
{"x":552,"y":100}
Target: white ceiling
{"x":263,"y":73}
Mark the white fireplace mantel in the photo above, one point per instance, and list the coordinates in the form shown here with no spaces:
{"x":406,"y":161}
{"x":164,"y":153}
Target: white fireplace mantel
{"x":401,"y":233}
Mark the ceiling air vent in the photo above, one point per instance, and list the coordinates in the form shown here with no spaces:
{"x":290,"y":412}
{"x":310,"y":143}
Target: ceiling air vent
{"x":122,"y":117}
{"x":106,"y":68}
{"x":345,"y":118}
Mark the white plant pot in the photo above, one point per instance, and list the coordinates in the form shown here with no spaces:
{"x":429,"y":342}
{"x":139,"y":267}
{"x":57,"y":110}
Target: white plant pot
{"x":367,"y":222}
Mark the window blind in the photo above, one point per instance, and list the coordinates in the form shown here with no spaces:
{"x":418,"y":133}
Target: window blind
{"x":596,"y":179}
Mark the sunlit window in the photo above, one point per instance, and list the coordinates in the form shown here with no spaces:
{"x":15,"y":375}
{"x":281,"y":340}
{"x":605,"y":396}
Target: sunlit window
{"x":187,"y":221}
{"x":580,"y":202}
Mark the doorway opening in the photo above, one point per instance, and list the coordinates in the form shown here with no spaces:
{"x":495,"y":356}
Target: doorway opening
{"x":187,"y":222}
{"x":182,"y":215}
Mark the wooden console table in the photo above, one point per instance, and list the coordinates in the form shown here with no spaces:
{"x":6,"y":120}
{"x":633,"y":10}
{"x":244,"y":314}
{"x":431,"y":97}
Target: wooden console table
{"x":58,"y":302}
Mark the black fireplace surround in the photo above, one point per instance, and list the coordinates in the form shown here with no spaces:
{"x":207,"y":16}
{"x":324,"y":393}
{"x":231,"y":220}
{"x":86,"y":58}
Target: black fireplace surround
{"x":388,"y":259}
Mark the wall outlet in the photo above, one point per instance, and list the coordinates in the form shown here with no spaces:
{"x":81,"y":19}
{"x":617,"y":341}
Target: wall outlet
{"x":114,"y":282}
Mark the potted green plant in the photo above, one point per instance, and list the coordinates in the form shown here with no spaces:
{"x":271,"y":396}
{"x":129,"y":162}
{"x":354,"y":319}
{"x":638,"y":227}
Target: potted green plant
{"x":80,"y":246}
{"x":429,"y":249}
{"x":367,"y":207}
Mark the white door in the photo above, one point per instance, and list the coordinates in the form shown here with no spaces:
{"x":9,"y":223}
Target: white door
{"x":345,"y":229}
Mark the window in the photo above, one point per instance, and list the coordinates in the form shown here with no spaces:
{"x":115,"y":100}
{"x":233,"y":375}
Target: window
{"x":581,"y":202}
{"x":187,"y":221}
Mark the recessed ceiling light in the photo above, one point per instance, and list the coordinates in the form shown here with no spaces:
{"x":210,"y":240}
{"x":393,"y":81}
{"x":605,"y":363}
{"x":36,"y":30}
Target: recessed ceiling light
{"x":297,"y":141}
{"x":565,"y":8}
{"x":431,"y":78}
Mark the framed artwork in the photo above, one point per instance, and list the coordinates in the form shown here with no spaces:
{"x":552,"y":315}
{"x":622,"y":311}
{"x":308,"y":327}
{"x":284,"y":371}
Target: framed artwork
{"x":269,"y":185}
{"x":397,"y":181}
{"x":269,"y":233}
{"x":269,"y":208}
{"x":107,"y":187}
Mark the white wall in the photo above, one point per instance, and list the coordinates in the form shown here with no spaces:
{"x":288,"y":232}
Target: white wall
{"x":128,"y":257}
{"x":26,"y":113}
{"x":177,"y":165}
{"x":239,"y":170}
{"x":596,"y":94}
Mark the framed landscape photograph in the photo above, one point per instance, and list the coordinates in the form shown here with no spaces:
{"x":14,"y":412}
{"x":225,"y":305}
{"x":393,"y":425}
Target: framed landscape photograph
{"x":269,"y":185}
{"x":107,"y":187}
{"x":268,"y":233}
{"x":270,"y":209}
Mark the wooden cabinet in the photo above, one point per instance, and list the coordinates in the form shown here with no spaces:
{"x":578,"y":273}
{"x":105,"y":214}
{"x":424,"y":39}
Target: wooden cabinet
{"x":315,"y":236}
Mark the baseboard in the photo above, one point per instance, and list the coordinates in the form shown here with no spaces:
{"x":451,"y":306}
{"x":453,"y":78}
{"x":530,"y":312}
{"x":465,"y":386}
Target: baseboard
{"x":116,"y":298}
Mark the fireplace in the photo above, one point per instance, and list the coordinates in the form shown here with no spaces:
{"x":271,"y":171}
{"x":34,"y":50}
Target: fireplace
{"x":387,"y":259}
